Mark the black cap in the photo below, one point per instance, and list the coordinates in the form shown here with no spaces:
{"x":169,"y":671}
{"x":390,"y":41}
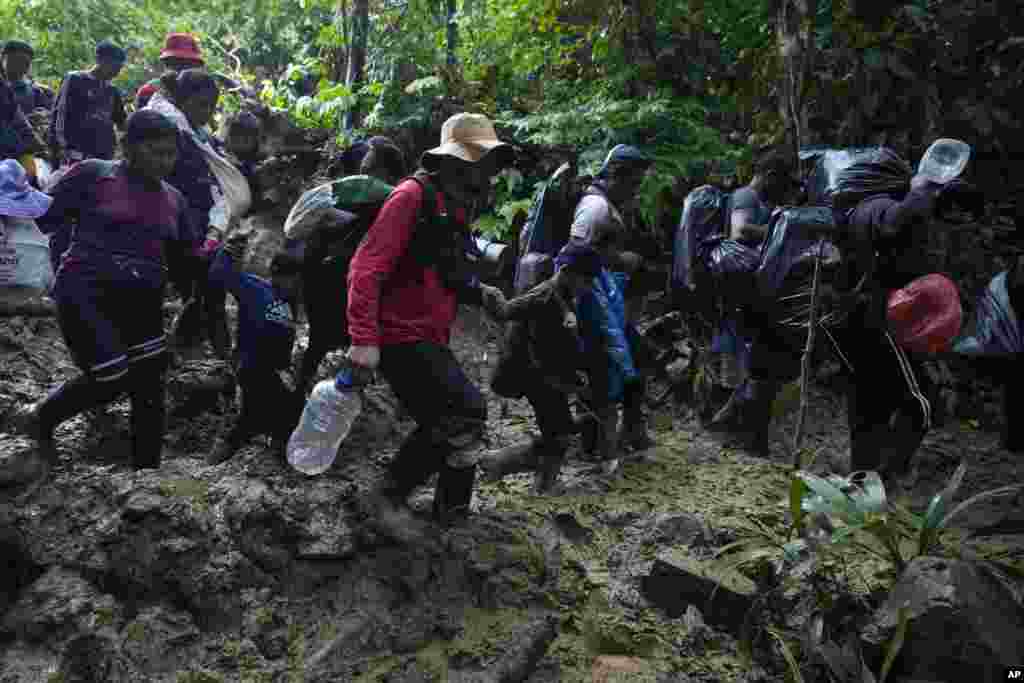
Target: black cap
{"x":147,"y":124}
{"x":107,"y":51}
{"x":18,"y":46}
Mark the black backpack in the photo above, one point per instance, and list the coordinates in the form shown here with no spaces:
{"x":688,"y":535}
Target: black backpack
{"x":327,"y":253}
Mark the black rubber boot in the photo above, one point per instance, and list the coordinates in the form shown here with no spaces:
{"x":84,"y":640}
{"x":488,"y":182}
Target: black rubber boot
{"x":521,"y":457}
{"x":454,"y":494}
{"x":634,"y":420}
{"x":148,"y":412}
{"x":551,"y":456}
{"x":757,"y":417}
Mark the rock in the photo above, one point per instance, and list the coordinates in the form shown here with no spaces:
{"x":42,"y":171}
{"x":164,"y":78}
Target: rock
{"x":60,"y":605}
{"x":610,"y":669}
{"x":676,"y":581}
{"x":572,"y":530}
{"x":966,"y":622}
{"x":160,"y":639}
{"x":90,"y":659}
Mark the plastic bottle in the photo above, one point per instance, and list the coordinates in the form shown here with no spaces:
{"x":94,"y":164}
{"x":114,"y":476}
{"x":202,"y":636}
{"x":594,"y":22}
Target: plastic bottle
{"x":326,"y":420}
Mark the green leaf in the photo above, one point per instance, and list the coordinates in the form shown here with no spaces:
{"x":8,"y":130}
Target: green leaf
{"x":1002,"y":492}
{"x":896,"y":644}
{"x":830,"y":499}
{"x":787,"y":654}
{"x":874,"y":58}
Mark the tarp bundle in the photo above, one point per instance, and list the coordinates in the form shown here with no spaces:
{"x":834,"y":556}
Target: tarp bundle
{"x":786,"y":271}
{"x":843,"y":177}
{"x":700,"y":227}
{"x":351,"y":193}
{"x":995,"y":330}
{"x":602,"y":319}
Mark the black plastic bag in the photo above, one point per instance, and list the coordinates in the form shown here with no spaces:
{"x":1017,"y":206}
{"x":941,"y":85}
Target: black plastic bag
{"x":700,"y":227}
{"x":843,"y":177}
{"x":785,"y":275}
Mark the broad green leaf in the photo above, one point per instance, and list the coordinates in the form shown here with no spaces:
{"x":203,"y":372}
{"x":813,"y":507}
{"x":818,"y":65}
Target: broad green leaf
{"x":829,"y":498}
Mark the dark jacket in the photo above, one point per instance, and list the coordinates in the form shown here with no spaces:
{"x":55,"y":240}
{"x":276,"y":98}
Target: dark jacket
{"x":16,"y":134}
{"x":888,"y":240}
{"x":536,"y":341}
{"x":193,"y":178}
{"x":85,"y":114}
{"x":32,"y":96}
{"x":266,"y":322}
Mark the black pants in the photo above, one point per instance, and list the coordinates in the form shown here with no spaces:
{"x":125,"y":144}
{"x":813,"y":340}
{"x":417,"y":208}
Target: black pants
{"x":888,"y":407}
{"x":446,"y":406}
{"x":268,"y":407}
{"x":204,"y":310}
{"x":144,"y":384}
{"x":325,"y":298}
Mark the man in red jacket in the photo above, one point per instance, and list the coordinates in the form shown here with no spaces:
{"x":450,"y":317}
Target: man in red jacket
{"x":404,"y":283}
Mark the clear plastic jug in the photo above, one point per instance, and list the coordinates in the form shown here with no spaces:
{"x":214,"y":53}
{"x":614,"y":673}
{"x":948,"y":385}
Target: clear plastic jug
{"x":326,"y":420}
{"x":945,"y":160}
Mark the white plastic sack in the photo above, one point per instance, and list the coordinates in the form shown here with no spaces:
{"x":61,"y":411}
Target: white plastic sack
{"x":25,"y":270}
{"x":308,"y":211}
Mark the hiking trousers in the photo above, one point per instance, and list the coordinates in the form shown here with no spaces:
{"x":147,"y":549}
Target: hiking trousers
{"x":888,"y":406}
{"x":450,"y":414}
{"x":268,"y":407}
{"x":204,"y":310}
{"x":115,"y":335}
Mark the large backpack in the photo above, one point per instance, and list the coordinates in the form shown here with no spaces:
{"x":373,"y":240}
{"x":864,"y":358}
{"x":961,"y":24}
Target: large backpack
{"x":547,"y":226}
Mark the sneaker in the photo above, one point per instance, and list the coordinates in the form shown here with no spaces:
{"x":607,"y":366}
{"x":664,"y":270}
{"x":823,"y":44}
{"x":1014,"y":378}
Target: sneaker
{"x":222,"y":451}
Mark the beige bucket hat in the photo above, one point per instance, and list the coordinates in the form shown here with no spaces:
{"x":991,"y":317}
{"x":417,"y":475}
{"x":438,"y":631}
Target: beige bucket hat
{"x":469,"y":137}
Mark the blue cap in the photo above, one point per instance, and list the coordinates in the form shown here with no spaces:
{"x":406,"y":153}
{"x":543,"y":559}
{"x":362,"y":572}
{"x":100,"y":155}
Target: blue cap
{"x":107,"y":51}
{"x":624,"y":154}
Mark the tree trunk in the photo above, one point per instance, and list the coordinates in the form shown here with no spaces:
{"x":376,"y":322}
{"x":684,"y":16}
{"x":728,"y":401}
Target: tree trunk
{"x":357,"y":58}
{"x":453,"y":31}
{"x":794,"y":30}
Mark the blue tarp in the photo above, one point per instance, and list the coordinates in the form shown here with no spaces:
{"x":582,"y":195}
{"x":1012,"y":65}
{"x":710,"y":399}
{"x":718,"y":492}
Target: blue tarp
{"x":602,"y":322}
{"x":995,"y":329}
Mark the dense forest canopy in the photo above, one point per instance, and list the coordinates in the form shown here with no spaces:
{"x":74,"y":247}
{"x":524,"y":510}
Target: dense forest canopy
{"x":702,"y":83}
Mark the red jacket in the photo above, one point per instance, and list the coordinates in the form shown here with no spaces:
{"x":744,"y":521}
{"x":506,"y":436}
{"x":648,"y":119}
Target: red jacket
{"x":392,"y":300}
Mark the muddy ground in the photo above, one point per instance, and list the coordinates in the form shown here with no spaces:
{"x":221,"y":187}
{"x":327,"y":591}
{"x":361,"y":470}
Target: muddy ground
{"x":252,"y":572}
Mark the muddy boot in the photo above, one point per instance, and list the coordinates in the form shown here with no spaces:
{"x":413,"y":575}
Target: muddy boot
{"x":634,"y":422}
{"x":34,"y":470}
{"x":454,"y":494}
{"x":518,"y":458}
{"x":608,"y":440}
{"x":551,"y":456}
{"x":755,"y":433}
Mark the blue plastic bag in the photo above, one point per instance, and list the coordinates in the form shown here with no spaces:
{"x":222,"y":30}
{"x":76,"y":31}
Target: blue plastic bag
{"x":995,"y":330}
{"x":602,"y":322}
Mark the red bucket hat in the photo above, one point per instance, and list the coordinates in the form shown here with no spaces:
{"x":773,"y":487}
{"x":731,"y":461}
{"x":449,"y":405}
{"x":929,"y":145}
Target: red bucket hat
{"x":182,"y":46}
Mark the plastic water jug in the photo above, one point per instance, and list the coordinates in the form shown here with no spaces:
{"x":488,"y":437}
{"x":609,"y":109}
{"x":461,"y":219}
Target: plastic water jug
{"x":326,"y":420}
{"x":944,"y":160}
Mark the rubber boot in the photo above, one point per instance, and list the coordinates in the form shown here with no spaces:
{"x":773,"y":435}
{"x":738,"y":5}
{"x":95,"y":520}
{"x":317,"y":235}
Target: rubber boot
{"x":608,"y":439}
{"x":454,"y":494}
{"x":522,"y":457}
{"x":757,"y":416}
{"x":35,"y":469}
{"x":634,"y":421}
{"x":551,"y":456}
{"x":148,"y":412}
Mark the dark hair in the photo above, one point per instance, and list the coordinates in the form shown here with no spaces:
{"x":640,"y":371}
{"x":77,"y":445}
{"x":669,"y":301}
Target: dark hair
{"x":189,"y":82}
{"x":773,"y":160}
{"x":18,"y":46}
{"x":384,"y":157}
{"x":147,"y":124}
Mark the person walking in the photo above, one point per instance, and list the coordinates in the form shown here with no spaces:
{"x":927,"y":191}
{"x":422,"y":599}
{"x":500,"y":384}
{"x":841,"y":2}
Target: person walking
{"x":404,"y":283}
{"x":132,"y":231}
